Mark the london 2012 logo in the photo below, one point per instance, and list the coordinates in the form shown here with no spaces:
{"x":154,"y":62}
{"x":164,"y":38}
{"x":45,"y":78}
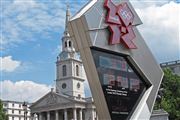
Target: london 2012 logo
{"x":120,"y":19}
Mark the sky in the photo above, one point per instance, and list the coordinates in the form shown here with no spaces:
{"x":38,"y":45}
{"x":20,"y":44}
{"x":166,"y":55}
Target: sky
{"x":30,"y":39}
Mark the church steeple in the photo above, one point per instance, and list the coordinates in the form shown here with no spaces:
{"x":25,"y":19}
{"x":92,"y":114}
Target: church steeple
{"x":68,"y":50}
{"x":70,"y":73}
{"x":67,"y":19}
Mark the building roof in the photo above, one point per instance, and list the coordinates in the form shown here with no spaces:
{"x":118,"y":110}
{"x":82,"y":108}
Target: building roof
{"x":17,"y":102}
{"x":53,"y":101}
{"x":171,"y":63}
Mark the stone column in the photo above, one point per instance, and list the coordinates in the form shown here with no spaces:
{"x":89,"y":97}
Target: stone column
{"x":57,"y":115}
{"x":65,"y":114}
{"x":40,"y":116}
{"x":93,"y":114}
{"x":35,"y":116}
{"x":80,"y":114}
{"x":48,"y":115}
{"x":32,"y":116}
{"x":74,"y":114}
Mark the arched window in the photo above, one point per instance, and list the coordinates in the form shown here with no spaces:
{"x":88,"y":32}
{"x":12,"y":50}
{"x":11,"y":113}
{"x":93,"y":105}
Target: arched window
{"x":65,"y":44}
{"x":64,"y":70}
{"x":77,"y":70}
{"x":69,"y":43}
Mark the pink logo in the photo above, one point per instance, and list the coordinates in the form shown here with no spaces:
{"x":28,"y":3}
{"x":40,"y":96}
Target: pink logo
{"x":120,"y":19}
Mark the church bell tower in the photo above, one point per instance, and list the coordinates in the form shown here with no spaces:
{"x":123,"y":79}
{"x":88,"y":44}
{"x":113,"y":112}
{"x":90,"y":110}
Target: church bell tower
{"x":70,"y":74}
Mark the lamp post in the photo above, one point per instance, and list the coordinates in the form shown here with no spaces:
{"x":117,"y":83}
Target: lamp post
{"x":159,"y":97}
{"x":25,"y":110}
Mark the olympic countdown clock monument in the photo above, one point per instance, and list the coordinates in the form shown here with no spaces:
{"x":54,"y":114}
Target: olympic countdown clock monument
{"x":123,"y":75}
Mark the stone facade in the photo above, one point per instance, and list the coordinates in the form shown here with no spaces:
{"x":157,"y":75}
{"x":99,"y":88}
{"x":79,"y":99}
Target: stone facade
{"x":55,"y":106}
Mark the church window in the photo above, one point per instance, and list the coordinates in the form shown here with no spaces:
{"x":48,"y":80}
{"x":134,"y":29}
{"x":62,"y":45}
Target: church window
{"x":77,"y":70}
{"x":69,"y":43}
{"x":64,"y":70}
{"x":65,"y":44}
{"x":78,"y":85}
{"x":64,"y":85}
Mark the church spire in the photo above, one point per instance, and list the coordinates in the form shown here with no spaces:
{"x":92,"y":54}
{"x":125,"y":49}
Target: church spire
{"x":68,"y":50}
{"x":67,"y":19}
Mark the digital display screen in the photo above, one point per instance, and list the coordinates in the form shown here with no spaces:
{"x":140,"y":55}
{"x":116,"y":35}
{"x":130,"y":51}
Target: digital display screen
{"x":122,"y":87}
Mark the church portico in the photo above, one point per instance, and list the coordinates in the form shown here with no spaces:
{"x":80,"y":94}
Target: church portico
{"x":64,"y":114}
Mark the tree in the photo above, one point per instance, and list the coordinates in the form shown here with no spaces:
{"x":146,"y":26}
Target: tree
{"x":170,"y":100}
{"x":3,"y":116}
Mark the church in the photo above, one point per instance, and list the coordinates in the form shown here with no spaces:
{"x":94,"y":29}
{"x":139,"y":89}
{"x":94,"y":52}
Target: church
{"x":67,"y":101}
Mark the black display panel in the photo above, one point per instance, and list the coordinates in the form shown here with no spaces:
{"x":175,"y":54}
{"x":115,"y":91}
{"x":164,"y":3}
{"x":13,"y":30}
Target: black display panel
{"x":121,"y":85}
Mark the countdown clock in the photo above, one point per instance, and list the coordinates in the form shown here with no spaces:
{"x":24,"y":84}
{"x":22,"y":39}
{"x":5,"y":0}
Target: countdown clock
{"x":122,"y":72}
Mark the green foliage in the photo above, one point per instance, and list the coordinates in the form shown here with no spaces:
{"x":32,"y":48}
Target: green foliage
{"x":3,"y":116}
{"x":171,"y":95}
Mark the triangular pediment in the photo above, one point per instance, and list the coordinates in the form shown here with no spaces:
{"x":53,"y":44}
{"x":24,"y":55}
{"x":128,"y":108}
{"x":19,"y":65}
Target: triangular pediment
{"x":51,"y":98}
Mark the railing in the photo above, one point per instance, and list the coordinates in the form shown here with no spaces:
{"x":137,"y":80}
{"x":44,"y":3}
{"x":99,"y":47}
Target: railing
{"x":177,"y":62}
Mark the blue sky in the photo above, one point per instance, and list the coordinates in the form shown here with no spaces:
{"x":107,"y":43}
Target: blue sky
{"x":31,"y":32}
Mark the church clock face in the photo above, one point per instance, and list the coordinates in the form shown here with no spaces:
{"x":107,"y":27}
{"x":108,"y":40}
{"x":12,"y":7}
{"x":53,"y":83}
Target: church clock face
{"x":64,"y":85}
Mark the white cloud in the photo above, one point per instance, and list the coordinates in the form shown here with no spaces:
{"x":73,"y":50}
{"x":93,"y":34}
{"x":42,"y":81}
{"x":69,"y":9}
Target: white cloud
{"x":22,"y":90}
{"x":160,"y":30}
{"x":8,"y":64}
{"x":146,"y":3}
{"x":27,"y":20}
{"x":27,"y":90}
{"x":24,"y":20}
{"x":57,"y":50}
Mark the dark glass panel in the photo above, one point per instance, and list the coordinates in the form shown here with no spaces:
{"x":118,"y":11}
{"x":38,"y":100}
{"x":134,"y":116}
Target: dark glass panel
{"x":121,"y":85}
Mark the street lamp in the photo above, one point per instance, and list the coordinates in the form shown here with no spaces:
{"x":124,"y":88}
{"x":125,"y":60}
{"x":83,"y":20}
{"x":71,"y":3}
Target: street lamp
{"x":159,"y":97}
{"x":25,"y":110}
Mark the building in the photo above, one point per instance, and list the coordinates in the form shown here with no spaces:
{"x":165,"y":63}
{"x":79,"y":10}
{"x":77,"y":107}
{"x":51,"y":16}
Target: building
{"x":67,"y":101}
{"x":15,"y":110}
{"x":173,"y":65}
